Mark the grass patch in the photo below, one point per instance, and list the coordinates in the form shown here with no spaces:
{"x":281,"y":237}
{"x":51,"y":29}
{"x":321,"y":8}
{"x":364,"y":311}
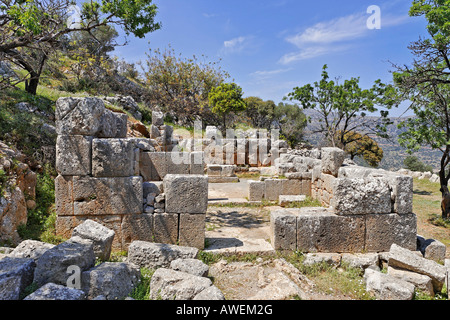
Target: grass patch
{"x":142,"y":291}
{"x":308,"y":202}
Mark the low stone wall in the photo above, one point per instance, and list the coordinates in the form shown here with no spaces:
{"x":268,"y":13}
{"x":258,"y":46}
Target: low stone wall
{"x":104,"y":176}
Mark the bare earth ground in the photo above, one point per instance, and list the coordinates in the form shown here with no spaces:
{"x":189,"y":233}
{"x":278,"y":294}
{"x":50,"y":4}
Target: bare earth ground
{"x":232,"y":229}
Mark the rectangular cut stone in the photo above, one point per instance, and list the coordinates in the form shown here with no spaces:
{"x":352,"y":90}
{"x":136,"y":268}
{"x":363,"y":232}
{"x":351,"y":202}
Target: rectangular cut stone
{"x":112,"y":157}
{"x":214,"y":170}
{"x":306,"y":187}
{"x":273,"y":189}
{"x":165,"y":228}
{"x":382,"y":230}
{"x":283,"y":230}
{"x":178,"y":162}
{"x":361,"y":196}
{"x":197,"y":163}
{"x":332,"y":159}
{"x":99,"y":196}
{"x":291,"y":187}
{"x":186,"y":193}
{"x":137,"y":227}
{"x":256,"y":190}
{"x":156,"y":163}
{"x":320,"y":230}
{"x":64,"y":196}
{"x":113,"y":125}
{"x":192,"y":230}
{"x":73,"y":155}
{"x":286,"y":200}
{"x":402,"y":190}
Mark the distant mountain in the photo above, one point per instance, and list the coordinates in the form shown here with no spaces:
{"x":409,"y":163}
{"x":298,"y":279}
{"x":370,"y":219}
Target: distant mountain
{"x":394,"y":154}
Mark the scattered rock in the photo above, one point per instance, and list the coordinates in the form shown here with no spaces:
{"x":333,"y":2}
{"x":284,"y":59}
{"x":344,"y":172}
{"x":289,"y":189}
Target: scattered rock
{"x":191,"y":266}
{"x":101,"y":237}
{"x":52,"y":291}
{"x":386,"y":287}
{"x":15,"y":275}
{"x":31,"y":249}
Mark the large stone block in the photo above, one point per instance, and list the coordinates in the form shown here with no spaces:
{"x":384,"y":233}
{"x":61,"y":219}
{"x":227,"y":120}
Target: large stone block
{"x":192,"y":230}
{"x":153,"y":165}
{"x":79,"y":116}
{"x":101,"y":237}
{"x":320,"y":230}
{"x":113,"y":125}
{"x":112,"y":158}
{"x":186,"y":193}
{"x":64,"y":195}
{"x":361,"y":196}
{"x":137,"y":227}
{"x":178,"y":162}
{"x":273,"y":188}
{"x":291,"y":187}
{"x":256,"y":190}
{"x":51,"y":291}
{"x":112,"y":196}
{"x":73,"y":155}
{"x":283,"y":230}
{"x":165,"y":227}
{"x":332,"y":159}
{"x":15,"y":275}
{"x":197,"y":163}
{"x":402,"y":192}
{"x":382,"y":230}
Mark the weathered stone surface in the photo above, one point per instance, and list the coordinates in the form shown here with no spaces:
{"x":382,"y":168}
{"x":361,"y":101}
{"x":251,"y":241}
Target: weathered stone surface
{"x":167,"y":284}
{"x":361,"y":196}
{"x":191,"y":266}
{"x":273,"y":189}
{"x":385,"y":229}
{"x":291,"y":187}
{"x":386,"y":287}
{"x":155,"y":255}
{"x":402,"y":192}
{"x":283,"y":230}
{"x":64,"y":195}
{"x":101,"y":237}
{"x":333,"y":259}
{"x":157,"y":118}
{"x":319,"y":230}
{"x":165,"y":227}
{"x":31,"y":249}
{"x":13,"y":213}
{"x":191,"y":230}
{"x":137,"y":227}
{"x":210,"y":293}
{"x":52,"y":265}
{"x":431,"y":249}
{"x":73,"y":155}
{"x":99,"y":196}
{"x":186,"y":193}
{"x":285,"y":201}
{"x":79,"y":116}
{"x":15,"y":275}
{"x":51,"y":291}
{"x":420,"y":281}
{"x":197,"y":163}
{"x":361,"y":260}
{"x":406,"y":259}
{"x":332,"y":159}
{"x":113,"y":280}
{"x":256,"y":190}
{"x":156,"y":187}
{"x":112,"y":157}
{"x":153,"y":166}
{"x":113,"y":125}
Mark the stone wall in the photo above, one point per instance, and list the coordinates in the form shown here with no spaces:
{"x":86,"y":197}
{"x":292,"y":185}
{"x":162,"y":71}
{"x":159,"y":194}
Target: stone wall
{"x":126,"y":184}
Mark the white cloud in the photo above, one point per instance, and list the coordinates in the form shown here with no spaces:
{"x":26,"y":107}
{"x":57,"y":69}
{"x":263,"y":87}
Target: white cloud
{"x":269,"y":73}
{"x":238,"y":45}
{"x":310,"y":52}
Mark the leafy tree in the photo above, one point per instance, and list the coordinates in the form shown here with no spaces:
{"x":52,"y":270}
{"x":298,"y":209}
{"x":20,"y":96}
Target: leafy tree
{"x":226,"y":98}
{"x":363,"y":146}
{"x":180,"y":86}
{"x":414,"y":164}
{"x":426,"y":85}
{"x":342,"y":108}
{"x":290,"y":121}
{"x":31,"y":29}
{"x":260,"y":113}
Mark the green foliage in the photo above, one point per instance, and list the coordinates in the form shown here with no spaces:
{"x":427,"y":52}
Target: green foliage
{"x":260,"y":113}
{"x":414,"y":164}
{"x":142,"y":291}
{"x":344,"y":107}
{"x":290,"y":120}
{"x":363,"y":146}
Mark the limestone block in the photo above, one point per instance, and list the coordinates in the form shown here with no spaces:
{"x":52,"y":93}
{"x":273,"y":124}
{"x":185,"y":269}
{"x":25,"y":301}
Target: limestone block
{"x":387,"y":287}
{"x":64,"y":195}
{"x":113,"y":196}
{"x":382,"y":230}
{"x":15,"y":275}
{"x":156,"y":187}
{"x":157,"y":118}
{"x":406,"y":259}
{"x":192,"y":266}
{"x":51,"y":291}
{"x":112,"y":158}
{"x":306,"y":187}
{"x":155,"y":255}
{"x":283,"y":230}
{"x":165,"y":227}
{"x":420,"y":281}
{"x":286,"y":200}
{"x":192,"y":230}
{"x":291,"y":187}
{"x":73,"y":155}
{"x":186,"y":193}
{"x":153,"y":165}
{"x":320,"y":230}
{"x":273,"y":189}
{"x":113,"y":124}
{"x":178,"y":162}
{"x":332,"y":159}
{"x":197,"y":163}
{"x":79,"y":116}
{"x":431,"y":248}
{"x":30,"y":249}
{"x":361,"y":196}
{"x":137,"y":227}
{"x":402,"y":191}
{"x":100,"y":236}
{"x":256,"y":190}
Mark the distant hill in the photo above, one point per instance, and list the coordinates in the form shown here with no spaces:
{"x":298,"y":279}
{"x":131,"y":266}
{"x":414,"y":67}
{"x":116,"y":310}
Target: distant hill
{"x":394,"y":154}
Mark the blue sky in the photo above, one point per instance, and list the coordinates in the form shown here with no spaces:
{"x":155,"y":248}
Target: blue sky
{"x":271,"y":46}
